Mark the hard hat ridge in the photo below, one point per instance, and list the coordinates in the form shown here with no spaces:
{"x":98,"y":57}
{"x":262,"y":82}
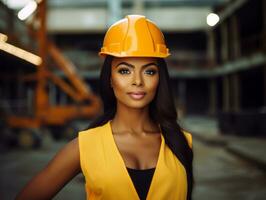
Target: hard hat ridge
{"x":134,"y":36}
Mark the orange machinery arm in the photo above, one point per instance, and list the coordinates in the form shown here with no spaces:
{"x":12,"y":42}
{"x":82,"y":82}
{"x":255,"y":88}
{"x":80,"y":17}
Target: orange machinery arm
{"x":70,"y":70}
{"x":80,"y":92}
{"x":89,"y":105}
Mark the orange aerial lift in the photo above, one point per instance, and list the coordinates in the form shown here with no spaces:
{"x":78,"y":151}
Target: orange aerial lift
{"x":87,"y":105}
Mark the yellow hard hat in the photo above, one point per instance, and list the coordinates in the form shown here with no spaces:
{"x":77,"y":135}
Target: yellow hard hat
{"x":134,"y":36}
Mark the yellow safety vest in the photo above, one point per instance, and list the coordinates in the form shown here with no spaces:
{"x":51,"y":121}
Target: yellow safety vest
{"x":107,"y":177}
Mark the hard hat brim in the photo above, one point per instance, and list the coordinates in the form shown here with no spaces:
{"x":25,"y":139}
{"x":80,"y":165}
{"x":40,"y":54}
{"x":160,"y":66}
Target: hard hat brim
{"x":122,"y":55}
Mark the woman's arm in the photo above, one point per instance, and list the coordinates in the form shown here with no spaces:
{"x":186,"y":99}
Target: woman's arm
{"x":59,"y":171}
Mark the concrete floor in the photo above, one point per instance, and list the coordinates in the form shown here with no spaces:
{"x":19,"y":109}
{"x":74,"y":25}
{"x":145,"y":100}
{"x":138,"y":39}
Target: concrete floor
{"x":17,"y":167}
{"x":219,"y":175}
{"x":222,"y":176}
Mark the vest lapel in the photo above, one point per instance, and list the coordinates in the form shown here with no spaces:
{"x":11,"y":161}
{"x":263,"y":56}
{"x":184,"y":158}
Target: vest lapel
{"x":122,"y":170}
{"x":155,"y":179}
{"x":120,"y":167}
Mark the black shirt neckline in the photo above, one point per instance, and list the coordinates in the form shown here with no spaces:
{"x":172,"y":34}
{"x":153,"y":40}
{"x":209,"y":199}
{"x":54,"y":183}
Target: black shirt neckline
{"x":141,"y":179}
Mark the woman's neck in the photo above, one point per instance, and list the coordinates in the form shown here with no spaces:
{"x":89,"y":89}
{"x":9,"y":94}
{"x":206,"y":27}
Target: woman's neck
{"x":133,"y":120}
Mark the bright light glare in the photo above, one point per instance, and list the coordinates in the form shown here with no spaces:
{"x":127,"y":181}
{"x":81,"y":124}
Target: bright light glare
{"x":25,"y":12}
{"x":15,"y":4}
{"x":212,"y":19}
{"x":25,"y":55}
{"x":3,"y":37}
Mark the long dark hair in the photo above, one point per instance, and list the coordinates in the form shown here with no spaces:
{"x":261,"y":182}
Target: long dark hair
{"x":162,"y":111}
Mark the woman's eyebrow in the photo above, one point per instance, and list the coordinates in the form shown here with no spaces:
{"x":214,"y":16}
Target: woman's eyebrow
{"x":132,"y":66}
{"x":149,"y":64}
{"x":125,"y":63}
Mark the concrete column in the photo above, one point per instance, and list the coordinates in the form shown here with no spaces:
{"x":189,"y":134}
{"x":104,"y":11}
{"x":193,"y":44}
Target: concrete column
{"x":264,"y":89}
{"x":264,"y":25}
{"x":212,"y":96}
{"x":224,"y":56}
{"x":235,"y":43}
{"x":264,"y":47}
{"x":224,"y":44}
{"x":211,"y":56}
{"x":138,"y":7}
{"x":226,"y":94}
{"x":114,"y":11}
{"x":236,"y":93}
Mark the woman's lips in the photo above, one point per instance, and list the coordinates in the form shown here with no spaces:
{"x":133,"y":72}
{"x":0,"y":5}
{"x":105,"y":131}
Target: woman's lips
{"x":136,"y":95}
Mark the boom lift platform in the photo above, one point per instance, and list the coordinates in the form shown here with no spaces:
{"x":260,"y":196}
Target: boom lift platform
{"x":59,"y":119}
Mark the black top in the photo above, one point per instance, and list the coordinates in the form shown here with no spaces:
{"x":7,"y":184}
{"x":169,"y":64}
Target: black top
{"x":141,"y":180}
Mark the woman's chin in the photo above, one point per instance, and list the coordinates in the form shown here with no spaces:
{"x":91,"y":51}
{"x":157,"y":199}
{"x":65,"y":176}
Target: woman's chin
{"x":136,"y":105}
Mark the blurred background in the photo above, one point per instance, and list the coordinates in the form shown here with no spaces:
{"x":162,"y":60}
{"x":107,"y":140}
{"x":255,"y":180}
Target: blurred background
{"x":49,"y":77}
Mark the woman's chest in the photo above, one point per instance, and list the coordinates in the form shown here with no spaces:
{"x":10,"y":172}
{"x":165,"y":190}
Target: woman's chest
{"x":138,"y":153}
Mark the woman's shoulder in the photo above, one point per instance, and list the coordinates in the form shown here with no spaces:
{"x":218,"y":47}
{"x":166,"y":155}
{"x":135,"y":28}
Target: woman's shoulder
{"x":92,"y":134}
{"x":188,"y":136}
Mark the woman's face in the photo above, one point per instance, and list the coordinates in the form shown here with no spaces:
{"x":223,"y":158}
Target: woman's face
{"x":134,"y":80}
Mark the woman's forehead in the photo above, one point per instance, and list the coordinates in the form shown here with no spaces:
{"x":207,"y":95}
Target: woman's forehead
{"x":134,"y":60}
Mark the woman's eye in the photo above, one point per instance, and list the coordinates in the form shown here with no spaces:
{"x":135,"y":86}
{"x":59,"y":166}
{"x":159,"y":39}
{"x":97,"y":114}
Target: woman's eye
{"x":150,"y":72}
{"x":123,"y":71}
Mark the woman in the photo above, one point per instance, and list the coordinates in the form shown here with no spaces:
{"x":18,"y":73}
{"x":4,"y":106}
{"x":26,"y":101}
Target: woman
{"x":136,"y":149}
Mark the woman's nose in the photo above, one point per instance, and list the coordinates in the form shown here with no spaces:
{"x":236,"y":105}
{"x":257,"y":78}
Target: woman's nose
{"x":137,"y":79}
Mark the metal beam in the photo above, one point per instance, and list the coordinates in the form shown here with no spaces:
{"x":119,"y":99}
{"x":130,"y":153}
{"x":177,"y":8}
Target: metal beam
{"x":232,"y":7}
{"x":241,"y":64}
{"x":128,"y":3}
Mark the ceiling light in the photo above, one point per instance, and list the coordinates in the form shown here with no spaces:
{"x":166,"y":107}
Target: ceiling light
{"x":212,"y":19}
{"x":15,"y":4}
{"x":25,"y":12}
